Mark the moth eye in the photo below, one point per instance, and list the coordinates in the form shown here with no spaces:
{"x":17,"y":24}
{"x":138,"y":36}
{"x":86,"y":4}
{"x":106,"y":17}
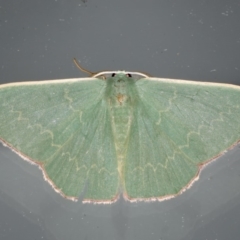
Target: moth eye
{"x":113,"y":74}
{"x":129,"y":75}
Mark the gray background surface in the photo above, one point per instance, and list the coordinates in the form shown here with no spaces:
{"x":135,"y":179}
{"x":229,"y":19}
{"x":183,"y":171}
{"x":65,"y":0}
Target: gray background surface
{"x":197,"y":40}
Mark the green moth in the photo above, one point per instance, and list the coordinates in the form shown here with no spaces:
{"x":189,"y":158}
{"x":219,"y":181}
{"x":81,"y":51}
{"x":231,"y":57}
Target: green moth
{"x":119,"y":132}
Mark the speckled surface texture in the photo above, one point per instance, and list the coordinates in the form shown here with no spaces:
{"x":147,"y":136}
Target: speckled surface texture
{"x":195,"y":40}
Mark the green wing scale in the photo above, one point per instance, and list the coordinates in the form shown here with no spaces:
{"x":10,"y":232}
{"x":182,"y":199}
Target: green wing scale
{"x":64,"y":127}
{"x":146,"y":138}
{"x":179,"y":126}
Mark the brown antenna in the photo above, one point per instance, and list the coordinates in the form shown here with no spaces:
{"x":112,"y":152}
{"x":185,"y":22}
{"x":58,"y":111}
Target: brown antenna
{"x":82,"y":69}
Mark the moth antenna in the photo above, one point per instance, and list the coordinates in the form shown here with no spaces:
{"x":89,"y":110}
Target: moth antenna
{"x":83,"y":69}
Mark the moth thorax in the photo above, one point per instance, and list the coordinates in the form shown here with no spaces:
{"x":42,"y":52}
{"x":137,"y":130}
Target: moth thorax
{"x":121,"y":98}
